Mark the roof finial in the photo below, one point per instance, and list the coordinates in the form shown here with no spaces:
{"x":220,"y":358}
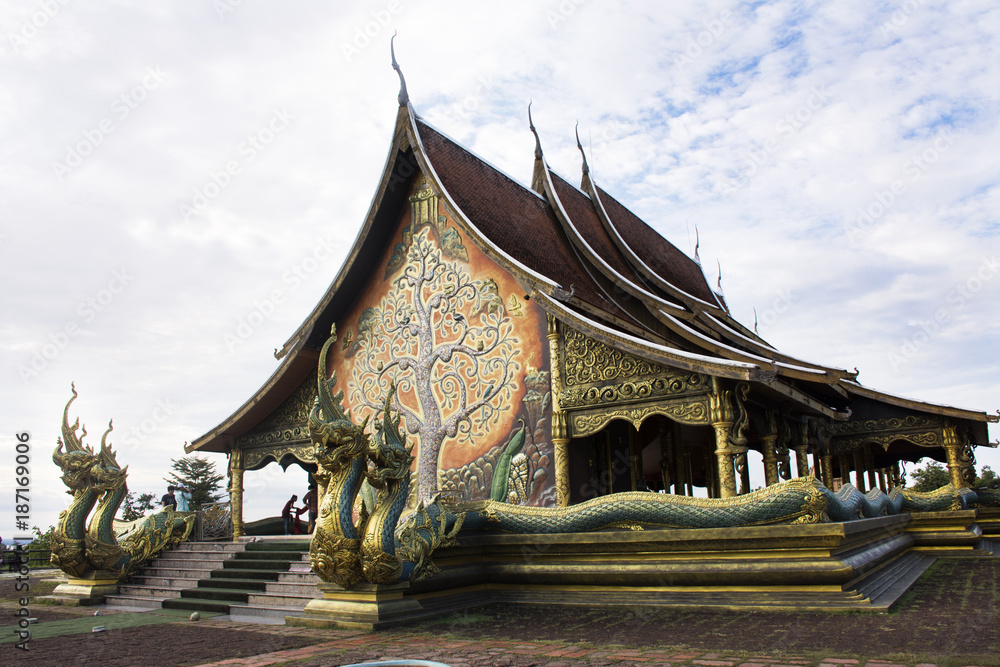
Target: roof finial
{"x":403,"y":97}
{"x":531,"y":126}
{"x":755,"y":320}
{"x":697,"y":242}
{"x":719,"y":283}
{"x":586,"y":167}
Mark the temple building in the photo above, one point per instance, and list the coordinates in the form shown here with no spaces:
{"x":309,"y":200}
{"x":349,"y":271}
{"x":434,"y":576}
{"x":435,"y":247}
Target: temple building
{"x":548,"y":346}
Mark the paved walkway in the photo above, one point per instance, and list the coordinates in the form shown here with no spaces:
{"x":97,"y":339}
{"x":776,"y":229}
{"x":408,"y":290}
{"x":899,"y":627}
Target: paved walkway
{"x":354,"y":647}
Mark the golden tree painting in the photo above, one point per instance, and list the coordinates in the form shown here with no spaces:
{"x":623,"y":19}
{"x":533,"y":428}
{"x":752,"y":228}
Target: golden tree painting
{"x":448,"y":342}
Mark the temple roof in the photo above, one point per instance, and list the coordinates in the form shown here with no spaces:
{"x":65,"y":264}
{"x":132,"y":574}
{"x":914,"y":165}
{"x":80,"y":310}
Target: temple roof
{"x":586,"y":260}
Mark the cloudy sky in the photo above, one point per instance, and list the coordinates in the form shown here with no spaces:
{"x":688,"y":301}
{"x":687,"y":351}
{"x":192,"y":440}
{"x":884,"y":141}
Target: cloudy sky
{"x":167,"y":171}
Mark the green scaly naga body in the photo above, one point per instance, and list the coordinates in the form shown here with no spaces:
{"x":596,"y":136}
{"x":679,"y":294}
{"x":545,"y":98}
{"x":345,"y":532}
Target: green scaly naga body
{"x":77,"y":462}
{"x":341,"y":452}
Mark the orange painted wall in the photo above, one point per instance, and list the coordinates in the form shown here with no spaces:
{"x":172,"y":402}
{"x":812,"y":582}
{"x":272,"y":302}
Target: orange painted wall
{"x":456,"y":334}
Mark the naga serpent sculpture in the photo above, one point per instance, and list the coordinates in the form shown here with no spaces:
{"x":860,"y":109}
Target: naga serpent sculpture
{"x":381,"y":550}
{"x":99,"y":479}
{"x":341,"y":449}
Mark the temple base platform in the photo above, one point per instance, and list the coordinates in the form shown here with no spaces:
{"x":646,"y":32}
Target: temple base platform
{"x":863,"y":565}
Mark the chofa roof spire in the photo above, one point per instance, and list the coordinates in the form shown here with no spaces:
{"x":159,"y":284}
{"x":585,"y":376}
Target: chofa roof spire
{"x":538,"y":142}
{"x":585,"y":167}
{"x":404,"y":97}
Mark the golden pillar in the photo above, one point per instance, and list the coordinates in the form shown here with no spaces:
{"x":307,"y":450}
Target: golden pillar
{"x":560,"y":431}
{"x":721,"y":409}
{"x":828,"y":470}
{"x":897,"y":475}
{"x":802,"y":452}
{"x":870,"y":467}
{"x":859,"y":470}
{"x":881,"y":480}
{"x":953,"y":452}
{"x":768,"y":438}
{"x":666,"y":455}
{"x":236,"y":492}
{"x":680,"y":467}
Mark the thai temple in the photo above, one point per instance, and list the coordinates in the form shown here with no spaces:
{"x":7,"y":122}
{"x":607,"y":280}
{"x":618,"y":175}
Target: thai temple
{"x":534,"y":387}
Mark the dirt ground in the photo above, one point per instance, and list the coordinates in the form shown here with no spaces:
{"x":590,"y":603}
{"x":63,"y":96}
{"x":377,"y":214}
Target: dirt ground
{"x":951,"y":616}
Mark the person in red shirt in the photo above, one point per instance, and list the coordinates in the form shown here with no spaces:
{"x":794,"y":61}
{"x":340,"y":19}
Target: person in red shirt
{"x":286,"y":514}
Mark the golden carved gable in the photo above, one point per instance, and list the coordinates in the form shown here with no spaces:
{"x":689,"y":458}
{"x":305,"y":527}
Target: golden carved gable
{"x":587,"y":361}
{"x":288,"y":423}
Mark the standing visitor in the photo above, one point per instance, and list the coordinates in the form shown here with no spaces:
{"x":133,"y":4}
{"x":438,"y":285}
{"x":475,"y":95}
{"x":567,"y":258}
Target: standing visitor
{"x":286,"y":514}
{"x":310,"y":501}
{"x":183,"y":499}
{"x":168,"y":499}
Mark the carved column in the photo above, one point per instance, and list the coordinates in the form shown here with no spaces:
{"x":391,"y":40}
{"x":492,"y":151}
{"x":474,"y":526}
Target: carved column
{"x":859,"y":470}
{"x":720,"y":405}
{"x":744,"y":470}
{"x":680,"y":467}
{"x":845,"y":469}
{"x":828,"y":470}
{"x":768,"y":438}
{"x":560,"y":432}
{"x":881,"y":480}
{"x":897,"y":475}
{"x":236,"y":492}
{"x":666,"y":455}
{"x":870,"y":467}
{"x":802,"y":451}
{"x":953,"y":451}
{"x":634,"y":461}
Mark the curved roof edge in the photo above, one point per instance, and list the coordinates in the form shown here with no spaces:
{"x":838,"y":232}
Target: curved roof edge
{"x":915,"y":404}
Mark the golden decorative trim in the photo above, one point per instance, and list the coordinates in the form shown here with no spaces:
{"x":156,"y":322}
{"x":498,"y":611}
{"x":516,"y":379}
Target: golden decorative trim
{"x":638,"y":390}
{"x":587,"y":360}
{"x":303,"y":451}
{"x":288,"y":423}
{"x":687,"y":412}
{"x":844,"y":445}
{"x":876,"y":425}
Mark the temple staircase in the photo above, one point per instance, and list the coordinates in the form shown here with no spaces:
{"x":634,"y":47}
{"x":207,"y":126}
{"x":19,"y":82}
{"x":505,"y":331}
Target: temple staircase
{"x":256,"y":581}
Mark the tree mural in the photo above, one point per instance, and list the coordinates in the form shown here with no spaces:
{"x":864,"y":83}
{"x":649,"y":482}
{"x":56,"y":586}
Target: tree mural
{"x":447,"y":341}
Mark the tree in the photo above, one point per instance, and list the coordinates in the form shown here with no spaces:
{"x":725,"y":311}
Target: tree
{"x":449,"y":345}
{"x":932,"y":476}
{"x":197,"y":475}
{"x":135,"y":507}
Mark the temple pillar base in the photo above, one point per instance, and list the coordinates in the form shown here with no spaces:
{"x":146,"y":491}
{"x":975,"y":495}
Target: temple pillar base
{"x":86,"y":590}
{"x":368,"y":607}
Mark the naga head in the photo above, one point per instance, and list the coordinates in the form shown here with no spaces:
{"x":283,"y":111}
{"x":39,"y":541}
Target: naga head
{"x":336,"y":439}
{"x":108,"y":475}
{"x":78,"y":461}
{"x":390,"y":455}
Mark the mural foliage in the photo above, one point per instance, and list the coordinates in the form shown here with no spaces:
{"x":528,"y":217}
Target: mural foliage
{"x":439,"y":326}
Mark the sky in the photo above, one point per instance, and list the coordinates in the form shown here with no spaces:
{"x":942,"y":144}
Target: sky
{"x":172,"y":172}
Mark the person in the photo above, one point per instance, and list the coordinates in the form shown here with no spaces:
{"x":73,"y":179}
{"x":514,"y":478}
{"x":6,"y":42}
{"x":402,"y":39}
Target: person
{"x":310,"y":501}
{"x":183,"y":499}
{"x":169,"y":499}
{"x":286,"y":514}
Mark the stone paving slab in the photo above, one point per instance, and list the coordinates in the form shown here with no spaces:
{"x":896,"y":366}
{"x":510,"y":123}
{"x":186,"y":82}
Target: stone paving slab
{"x":358,"y":646}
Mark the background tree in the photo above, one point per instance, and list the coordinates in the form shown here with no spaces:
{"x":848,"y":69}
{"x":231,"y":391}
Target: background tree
{"x":136,"y":506}
{"x":934,"y":475}
{"x":449,"y":344}
{"x":199,"y":476}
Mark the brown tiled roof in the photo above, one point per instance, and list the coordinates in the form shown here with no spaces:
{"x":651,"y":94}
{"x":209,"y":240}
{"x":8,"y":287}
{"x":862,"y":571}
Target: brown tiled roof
{"x":658,"y":253}
{"x":514,"y":218}
{"x":581,"y":213}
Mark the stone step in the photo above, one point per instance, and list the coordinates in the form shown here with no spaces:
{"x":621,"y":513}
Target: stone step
{"x":148,"y":591}
{"x":254,"y":613}
{"x":227,"y":595}
{"x":213,"y":556}
{"x":234,"y":584}
{"x":256,"y":564}
{"x":283,"y":601}
{"x":174,"y":572}
{"x":193,"y":604}
{"x":292,"y":577}
{"x":246,"y":573}
{"x":279,"y":588}
{"x":165,"y":582}
{"x":269,"y":555}
{"x":137,"y":601}
{"x":209,"y":547}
